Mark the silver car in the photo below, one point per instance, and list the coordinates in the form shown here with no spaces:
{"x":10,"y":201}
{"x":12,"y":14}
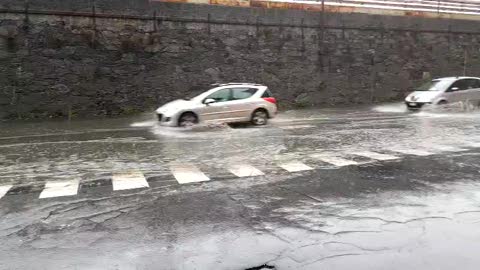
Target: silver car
{"x":227,"y":103}
{"x":445,"y":90}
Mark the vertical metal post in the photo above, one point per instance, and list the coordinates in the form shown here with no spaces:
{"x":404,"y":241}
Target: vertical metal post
{"x":27,"y":6}
{"x":94,"y":24}
{"x":302,"y":30}
{"x":323,"y":19}
{"x":155,"y":21}
{"x":208,"y":23}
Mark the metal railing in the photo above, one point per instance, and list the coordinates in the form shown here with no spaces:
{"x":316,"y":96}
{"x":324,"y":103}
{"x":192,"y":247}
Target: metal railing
{"x":469,"y":7}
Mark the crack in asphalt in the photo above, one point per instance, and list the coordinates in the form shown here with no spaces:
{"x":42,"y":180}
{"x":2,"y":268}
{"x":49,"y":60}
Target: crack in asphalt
{"x":333,"y":256}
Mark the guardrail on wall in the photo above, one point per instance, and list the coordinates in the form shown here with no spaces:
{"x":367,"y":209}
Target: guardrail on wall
{"x":466,"y":9}
{"x":460,"y":7}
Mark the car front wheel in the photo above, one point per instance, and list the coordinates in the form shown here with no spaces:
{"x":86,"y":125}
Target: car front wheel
{"x":259,"y":117}
{"x":187,"y":119}
{"x":442,"y":102}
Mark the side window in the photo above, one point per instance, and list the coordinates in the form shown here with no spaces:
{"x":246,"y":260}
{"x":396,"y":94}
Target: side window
{"x":471,"y":83}
{"x":242,"y":93}
{"x":460,"y":84}
{"x":475,"y":84}
{"x":267,"y":94}
{"x":220,"y":95}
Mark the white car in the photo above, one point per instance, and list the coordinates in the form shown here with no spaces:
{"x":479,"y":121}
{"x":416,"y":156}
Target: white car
{"x":227,"y":103}
{"x":445,"y":90}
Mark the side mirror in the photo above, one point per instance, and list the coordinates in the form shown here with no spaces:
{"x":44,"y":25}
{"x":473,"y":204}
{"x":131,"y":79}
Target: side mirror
{"x":209,"y":101}
{"x":453,"y":89}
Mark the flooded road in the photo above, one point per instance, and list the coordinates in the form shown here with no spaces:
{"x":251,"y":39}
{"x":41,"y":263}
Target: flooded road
{"x":363,"y":188}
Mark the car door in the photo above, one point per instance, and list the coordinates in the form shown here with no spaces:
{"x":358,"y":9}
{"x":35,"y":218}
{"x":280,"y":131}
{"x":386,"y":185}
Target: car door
{"x":241,"y":105}
{"x":473,"y":91}
{"x":218,"y":109}
{"x":457,"y":91}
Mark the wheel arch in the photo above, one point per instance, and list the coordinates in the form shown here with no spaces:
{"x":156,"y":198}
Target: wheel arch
{"x":261,"y":109}
{"x":187,"y":112}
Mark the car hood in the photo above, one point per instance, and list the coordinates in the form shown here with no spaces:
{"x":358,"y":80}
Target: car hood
{"x":175,"y":105}
{"x":423,"y":96}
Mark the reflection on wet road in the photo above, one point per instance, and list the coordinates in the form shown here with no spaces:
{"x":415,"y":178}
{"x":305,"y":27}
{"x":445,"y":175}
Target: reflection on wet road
{"x":330,"y":188}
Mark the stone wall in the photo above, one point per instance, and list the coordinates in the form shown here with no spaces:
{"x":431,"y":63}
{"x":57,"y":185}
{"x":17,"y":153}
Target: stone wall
{"x":66,"y":58}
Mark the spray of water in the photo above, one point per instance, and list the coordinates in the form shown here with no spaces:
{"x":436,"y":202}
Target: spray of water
{"x":391,"y":108}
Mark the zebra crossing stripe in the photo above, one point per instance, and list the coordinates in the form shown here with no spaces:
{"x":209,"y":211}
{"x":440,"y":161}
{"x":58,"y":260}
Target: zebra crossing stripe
{"x":446,"y":148}
{"x":375,"y":155}
{"x":415,"y":152}
{"x":129,"y":180}
{"x":335,"y":160}
{"x":188,"y":173}
{"x":295,"y":166}
{"x":245,"y":170}
{"x":297,"y":127}
{"x":60,"y":188}
{"x":472,"y":144}
{"x":4,"y":190}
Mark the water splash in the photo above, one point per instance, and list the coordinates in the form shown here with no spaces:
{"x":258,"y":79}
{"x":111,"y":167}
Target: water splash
{"x":391,"y":108}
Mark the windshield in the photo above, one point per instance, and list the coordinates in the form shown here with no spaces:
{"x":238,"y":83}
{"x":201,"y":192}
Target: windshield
{"x":435,"y":85}
{"x":196,"y":95}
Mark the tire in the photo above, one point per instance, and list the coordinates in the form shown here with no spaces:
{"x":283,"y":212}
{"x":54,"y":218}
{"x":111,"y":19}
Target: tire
{"x":442,"y":102}
{"x":187,"y":119}
{"x":259,"y":117}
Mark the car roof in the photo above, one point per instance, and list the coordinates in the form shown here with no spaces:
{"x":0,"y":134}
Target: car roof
{"x":456,"y":78}
{"x":237,"y":84}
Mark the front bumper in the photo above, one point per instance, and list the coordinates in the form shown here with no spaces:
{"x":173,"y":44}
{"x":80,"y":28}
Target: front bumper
{"x":165,"y":120}
{"x":415,"y":105}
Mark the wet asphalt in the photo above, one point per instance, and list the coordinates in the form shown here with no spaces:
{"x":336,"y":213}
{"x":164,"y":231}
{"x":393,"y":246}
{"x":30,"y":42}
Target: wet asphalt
{"x":413,"y":212}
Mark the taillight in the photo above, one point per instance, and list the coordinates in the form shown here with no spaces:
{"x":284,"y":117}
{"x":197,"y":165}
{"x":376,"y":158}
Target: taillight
{"x":270,"y":99}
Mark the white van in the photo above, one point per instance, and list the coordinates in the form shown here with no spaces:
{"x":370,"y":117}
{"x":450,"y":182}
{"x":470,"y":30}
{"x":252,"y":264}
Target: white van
{"x":445,"y":90}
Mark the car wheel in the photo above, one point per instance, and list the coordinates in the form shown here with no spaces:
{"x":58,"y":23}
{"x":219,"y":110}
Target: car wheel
{"x":187,"y":119}
{"x":442,"y":102}
{"x":259,"y":117}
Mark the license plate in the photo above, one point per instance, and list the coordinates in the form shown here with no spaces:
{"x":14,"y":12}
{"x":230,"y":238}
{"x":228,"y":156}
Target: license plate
{"x":412,"y":104}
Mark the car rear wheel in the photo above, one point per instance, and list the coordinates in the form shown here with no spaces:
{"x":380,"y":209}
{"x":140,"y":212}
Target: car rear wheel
{"x":259,"y":117}
{"x":187,"y":119}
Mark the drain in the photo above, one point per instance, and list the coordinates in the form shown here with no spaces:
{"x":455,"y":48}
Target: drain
{"x":261,"y":267}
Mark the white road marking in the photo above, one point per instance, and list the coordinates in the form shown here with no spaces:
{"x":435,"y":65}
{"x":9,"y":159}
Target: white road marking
{"x":297,"y":127}
{"x":415,"y":152}
{"x":335,"y":160}
{"x":375,"y":155}
{"x":472,"y":144}
{"x":60,"y":188}
{"x":129,"y":180}
{"x":245,"y":170}
{"x":4,"y":190}
{"x":295,"y":166}
{"x":446,"y":148}
{"x":188,"y":173}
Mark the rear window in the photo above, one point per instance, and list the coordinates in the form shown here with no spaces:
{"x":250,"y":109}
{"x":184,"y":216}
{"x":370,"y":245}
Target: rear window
{"x":267,"y":93}
{"x":243,"y":93}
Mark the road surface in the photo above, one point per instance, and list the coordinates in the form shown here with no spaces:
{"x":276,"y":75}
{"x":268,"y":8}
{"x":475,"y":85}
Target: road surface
{"x":346,"y":188}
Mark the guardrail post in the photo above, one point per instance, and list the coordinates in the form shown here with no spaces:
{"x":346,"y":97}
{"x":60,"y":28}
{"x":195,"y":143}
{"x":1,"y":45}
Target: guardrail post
{"x":94,"y":25}
{"x":208,"y":23}
{"x":27,"y":18}
{"x":155,"y":28}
